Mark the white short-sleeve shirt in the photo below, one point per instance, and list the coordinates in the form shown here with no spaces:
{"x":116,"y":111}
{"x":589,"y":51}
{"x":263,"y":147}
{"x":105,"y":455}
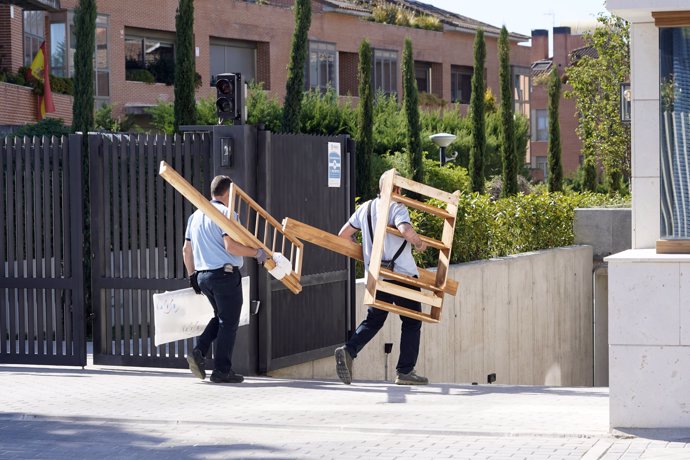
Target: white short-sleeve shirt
{"x":397,"y":215}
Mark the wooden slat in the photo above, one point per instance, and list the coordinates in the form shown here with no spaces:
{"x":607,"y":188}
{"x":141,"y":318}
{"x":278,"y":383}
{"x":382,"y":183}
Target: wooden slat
{"x":232,"y":228}
{"x":673,"y":247}
{"x":350,"y":249}
{"x":379,"y":235}
{"x":429,"y":241}
{"x":408,"y":293}
{"x":671,"y":18}
{"x":425,"y":190}
{"x":178,"y":220}
{"x":380,"y":304}
{"x":410,"y":280}
{"x":447,"y":240}
{"x":442,"y":213}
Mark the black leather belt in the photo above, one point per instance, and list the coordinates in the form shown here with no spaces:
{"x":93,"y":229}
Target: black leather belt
{"x":227,"y":268}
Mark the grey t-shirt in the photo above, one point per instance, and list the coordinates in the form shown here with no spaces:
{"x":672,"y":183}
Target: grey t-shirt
{"x":397,"y":215}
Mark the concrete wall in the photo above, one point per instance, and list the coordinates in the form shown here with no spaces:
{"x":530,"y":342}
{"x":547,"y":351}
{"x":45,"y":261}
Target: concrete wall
{"x":527,"y":318}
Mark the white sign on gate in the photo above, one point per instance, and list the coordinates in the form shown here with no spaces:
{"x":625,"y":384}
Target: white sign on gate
{"x":334,"y":164}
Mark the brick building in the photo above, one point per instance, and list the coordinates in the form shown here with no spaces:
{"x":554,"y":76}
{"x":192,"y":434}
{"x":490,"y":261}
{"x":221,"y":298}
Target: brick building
{"x":565,"y":48}
{"x":135,"y":42}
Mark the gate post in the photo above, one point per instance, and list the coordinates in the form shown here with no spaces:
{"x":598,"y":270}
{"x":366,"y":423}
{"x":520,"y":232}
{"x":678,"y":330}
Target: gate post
{"x":76,"y":200}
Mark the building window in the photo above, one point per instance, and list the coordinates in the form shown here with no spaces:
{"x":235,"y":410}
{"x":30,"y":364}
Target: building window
{"x":674,"y":92}
{"x":386,"y":71}
{"x":542,"y":164}
{"x":149,"y":56}
{"x":63,"y":45}
{"x":233,"y":56}
{"x":322,"y":69}
{"x":521,"y":77}
{"x":102,"y":59}
{"x":34,"y":34}
{"x":460,"y":83}
{"x":422,"y":73}
{"x":540,"y":125}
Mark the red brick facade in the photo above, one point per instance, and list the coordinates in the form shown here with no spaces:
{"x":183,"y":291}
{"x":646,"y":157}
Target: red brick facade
{"x":564,"y":43}
{"x":20,"y":106}
{"x":271,"y":28}
{"x":11,"y":40}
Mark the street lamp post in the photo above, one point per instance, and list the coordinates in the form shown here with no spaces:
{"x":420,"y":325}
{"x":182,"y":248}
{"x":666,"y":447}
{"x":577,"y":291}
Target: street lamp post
{"x":443,"y":140}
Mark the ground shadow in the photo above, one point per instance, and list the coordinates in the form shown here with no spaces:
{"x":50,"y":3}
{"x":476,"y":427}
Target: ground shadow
{"x":657,"y":434}
{"x":23,"y":437}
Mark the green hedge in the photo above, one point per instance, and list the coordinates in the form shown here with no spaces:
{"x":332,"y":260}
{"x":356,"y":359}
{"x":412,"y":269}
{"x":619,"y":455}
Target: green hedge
{"x":522,"y":223}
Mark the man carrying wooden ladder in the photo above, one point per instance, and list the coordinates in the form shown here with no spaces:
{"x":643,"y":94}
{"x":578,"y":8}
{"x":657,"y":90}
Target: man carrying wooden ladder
{"x":397,"y":256}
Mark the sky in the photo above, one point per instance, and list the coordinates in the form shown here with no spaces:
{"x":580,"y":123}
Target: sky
{"x":523,"y":16}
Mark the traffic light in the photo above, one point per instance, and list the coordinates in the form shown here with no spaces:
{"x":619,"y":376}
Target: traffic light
{"x":229,"y":98}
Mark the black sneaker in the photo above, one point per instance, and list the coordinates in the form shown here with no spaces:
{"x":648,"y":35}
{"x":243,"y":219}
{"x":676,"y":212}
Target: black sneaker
{"x":230,"y":377}
{"x":197,"y":364}
{"x":343,"y":365}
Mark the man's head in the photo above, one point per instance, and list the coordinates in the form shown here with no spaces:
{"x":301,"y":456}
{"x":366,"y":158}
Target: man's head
{"x":220,"y":186}
{"x":395,"y":189}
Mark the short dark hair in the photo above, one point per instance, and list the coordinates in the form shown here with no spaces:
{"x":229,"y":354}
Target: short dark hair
{"x":220,"y":185}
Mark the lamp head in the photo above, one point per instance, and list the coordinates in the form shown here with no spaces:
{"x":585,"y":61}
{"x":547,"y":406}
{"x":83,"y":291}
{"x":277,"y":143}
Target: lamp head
{"x":442,"y":139}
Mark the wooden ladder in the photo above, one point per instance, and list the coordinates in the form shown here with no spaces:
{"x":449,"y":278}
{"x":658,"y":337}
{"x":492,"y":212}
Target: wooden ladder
{"x":270,"y":233}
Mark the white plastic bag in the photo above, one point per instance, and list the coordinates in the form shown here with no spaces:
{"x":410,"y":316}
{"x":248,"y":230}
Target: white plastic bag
{"x":182,"y":314}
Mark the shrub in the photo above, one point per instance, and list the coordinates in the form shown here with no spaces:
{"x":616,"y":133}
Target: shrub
{"x":45,"y":127}
{"x":424,"y":21}
{"x":486,"y":228}
{"x":322,"y":114}
{"x":140,"y":75}
{"x":262,"y":108}
{"x":104,"y":119}
{"x":162,"y":116}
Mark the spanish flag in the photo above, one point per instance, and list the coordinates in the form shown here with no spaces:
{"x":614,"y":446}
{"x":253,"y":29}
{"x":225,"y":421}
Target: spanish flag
{"x":40,"y":70}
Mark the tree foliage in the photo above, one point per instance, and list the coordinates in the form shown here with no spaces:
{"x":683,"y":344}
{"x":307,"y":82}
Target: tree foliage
{"x":365,"y":123}
{"x":85,"y":35}
{"x":478,"y":148}
{"x":298,"y":56}
{"x":595,"y":83}
{"x":555,"y":178}
{"x":411,"y":107}
{"x":185,"y":73}
{"x":508,"y":153}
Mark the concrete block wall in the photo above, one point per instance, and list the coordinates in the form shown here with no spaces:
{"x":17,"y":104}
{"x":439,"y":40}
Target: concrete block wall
{"x":527,"y":318}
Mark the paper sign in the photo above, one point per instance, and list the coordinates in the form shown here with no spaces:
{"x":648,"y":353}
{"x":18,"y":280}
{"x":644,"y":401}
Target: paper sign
{"x":182,"y":314}
{"x":334,"y":164}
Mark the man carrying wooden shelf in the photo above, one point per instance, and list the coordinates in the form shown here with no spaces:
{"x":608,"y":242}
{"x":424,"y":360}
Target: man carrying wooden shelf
{"x":397,"y":256}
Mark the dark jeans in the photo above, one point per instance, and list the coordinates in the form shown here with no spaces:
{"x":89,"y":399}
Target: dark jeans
{"x":224,"y":291}
{"x":410,"y":330}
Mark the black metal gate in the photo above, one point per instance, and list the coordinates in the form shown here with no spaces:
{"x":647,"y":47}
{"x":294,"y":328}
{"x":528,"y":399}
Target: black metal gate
{"x":42,"y":318}
{"x":137,"y":228}
{"x":137,"y":225}
{"x":294,"y":182}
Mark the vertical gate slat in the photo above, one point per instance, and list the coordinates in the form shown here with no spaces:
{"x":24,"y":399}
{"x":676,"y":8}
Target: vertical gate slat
{"x":138,"y":325}
{"x":161,"y":142}
{"x":5,"y":222}
{"x":57,"y":169}
{"x":180,"y":148}
{"x":45,"y":271}
{"x":30,"y":243}
{"x":59,"y":305}
{"x":171,"y":198}
{"x":129,"y":230}
{"x":151,"y":174}
{"x":11,"y":240}
{"x":21,"y":241}
{"x":67,"y":245}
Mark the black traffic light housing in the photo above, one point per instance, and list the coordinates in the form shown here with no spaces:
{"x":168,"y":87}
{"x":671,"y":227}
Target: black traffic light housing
{"x":229,"y":98}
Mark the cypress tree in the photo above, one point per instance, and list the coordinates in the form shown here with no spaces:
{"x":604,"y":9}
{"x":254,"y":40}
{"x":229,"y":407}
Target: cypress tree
{"x":294,"y":87}
{"x":365,"y":126}
{"x":411,"y":106}
{"x":83,"y":117}
{"x":185,"y":104}
{"x":555,"y":179}
{"x":478,"y":147}
{"x":508,"y":153}
{"x":85,"y":34}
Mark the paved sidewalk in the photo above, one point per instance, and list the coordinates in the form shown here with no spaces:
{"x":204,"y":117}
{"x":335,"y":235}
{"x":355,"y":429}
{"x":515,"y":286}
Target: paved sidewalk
{"x":115,"y":412}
